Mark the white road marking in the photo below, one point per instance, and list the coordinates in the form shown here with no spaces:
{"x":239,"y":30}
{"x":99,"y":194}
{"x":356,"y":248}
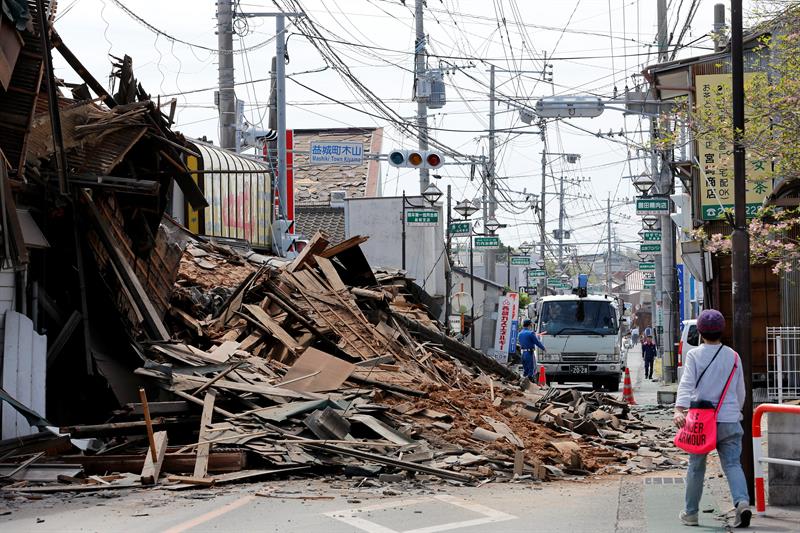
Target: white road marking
{"x":353,"y":516}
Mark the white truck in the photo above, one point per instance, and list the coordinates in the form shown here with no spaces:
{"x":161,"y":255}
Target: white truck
{"x":582,"y":338}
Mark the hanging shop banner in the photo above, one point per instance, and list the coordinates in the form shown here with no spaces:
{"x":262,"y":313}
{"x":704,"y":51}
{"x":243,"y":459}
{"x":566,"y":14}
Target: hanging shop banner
{"x":502,"y":331}
{"x":716,"y":155}
{"x":512,"y":345}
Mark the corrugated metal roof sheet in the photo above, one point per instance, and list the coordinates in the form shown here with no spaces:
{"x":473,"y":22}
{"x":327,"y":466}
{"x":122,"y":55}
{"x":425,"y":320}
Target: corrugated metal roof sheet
{"x":238,"y":196}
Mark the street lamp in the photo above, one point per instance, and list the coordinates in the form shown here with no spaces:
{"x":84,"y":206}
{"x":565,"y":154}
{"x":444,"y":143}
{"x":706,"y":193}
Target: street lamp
{"x":525,"y":247}
{"x":431,"y":195}
{"x":643,"y":183}
{"x":540,"y":263}
{"x":466,"y":209}
{"x":493,"y":225}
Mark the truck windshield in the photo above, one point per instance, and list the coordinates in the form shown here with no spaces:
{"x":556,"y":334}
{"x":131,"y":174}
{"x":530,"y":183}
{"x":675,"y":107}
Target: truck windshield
{"x":578,"y":317}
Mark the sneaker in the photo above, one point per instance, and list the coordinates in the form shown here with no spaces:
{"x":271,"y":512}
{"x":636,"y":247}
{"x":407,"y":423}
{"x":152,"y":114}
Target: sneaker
{"x":688,"y":519}
{"x":743,"y":515}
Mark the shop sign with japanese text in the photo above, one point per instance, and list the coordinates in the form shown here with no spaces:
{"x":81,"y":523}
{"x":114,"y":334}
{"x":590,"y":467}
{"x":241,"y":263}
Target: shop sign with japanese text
{"x":336,"y":153}
{"x":715,"y":154}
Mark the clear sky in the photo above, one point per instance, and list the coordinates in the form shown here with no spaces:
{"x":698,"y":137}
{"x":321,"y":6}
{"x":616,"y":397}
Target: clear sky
{"x":595,"y":46}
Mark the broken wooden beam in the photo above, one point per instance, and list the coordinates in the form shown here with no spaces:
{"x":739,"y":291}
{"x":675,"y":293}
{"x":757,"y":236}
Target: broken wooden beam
{"x":152,"y":465}
{"x":201,"y":465}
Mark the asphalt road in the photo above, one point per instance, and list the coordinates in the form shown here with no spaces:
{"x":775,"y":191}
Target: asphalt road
{"x":601,"y":505}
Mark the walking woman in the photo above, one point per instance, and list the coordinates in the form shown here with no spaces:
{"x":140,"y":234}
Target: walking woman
{"x":706,"y":371}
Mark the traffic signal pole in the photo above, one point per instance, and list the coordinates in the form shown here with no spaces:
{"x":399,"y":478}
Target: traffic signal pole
{"x":422,"y":105}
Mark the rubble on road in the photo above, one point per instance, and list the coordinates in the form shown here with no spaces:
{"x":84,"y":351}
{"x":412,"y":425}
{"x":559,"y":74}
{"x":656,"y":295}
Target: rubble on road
{"x":318,"y":365}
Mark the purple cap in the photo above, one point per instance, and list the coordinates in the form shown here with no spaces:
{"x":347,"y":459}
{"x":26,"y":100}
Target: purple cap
{"x":710,"y":321}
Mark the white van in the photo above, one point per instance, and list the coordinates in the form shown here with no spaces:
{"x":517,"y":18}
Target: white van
{"x":690,"y":338}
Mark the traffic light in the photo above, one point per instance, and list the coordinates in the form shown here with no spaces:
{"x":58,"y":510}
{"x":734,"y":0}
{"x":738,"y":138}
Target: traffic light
{"x":682,"y":217}
{"x":415,"y":159}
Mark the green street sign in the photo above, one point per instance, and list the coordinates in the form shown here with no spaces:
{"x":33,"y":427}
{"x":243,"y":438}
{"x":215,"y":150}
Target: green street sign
{"x":422,"y":217}
{"x":652,"y":206}
{"x":652,"y":236}
{"x":647,"y":266}
{"x":649,"y":283}
{"x":459,"y":228}
{"x":487,"y":243}
{"x":520,"y":260}
{"x":650,"y":248}
{"x":554,"y":282}
{"x":660,"y":330}
{"x":537,"y":273}
{"x":565,"y":286}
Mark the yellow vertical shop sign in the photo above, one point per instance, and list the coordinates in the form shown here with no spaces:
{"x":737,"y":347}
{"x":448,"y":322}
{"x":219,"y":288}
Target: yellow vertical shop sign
{"x":715,"y":154}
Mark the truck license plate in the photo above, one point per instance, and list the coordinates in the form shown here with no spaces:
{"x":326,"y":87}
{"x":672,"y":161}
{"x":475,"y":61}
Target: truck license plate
{"x":579,"y":369}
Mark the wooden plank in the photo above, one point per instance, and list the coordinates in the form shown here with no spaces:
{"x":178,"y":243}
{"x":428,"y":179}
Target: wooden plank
{"x":63,"y":336}
{"x":266,"y":390}
{"x":225,"y":350}
{"x":342,"y":246}
{"x":316,"y":371}
{"x":272,"y":327}
{"x":519,"y":462}
{"x":201,"y":465}
{"x":316,"y":245}
{"x":177,"y":463}
{"x":148,"y":425}
{"x":151,"y":468}
{"x":330,"y":273}
{"x":191,"y":480}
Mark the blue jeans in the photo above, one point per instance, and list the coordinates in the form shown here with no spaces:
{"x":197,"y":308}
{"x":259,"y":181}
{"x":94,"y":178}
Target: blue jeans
{"x":729,"y":447}
{"x":528,"y":364}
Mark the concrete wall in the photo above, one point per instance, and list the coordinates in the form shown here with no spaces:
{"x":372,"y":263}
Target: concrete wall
{"x":381,"y":219}
{"x":783,"y":435}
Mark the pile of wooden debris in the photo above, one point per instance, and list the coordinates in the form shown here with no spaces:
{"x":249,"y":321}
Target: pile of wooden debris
{"x":316,"y":365}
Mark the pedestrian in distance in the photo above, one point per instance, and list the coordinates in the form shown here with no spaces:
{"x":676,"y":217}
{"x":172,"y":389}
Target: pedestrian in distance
{"x":649,"y":355}
{"x":711,"y":371}
{"x":528,"y":340}
{"x":635,"y":336}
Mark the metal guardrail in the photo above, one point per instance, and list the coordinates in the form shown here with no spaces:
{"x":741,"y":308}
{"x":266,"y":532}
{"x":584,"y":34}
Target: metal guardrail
{"x":758,"y":458}
{"x":783,"y":363}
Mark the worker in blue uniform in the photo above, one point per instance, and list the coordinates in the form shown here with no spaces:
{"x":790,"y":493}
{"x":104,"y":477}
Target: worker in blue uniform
{"x":528,"y":340}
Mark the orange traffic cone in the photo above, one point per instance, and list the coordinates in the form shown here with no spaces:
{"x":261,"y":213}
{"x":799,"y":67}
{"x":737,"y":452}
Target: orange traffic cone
{"x":627,"y":390}
{"x":542,"y":378}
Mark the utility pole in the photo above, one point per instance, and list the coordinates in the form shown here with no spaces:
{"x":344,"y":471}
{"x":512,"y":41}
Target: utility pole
{"x":661,"y":8}
{"x":608,"y":256}
{"x":490,"y":256}
{"x":280,"y":95}
{"x":448,"y":271}
{"x":227,"y":97}
{"x":667,"y":292}
{"x":561,"y":224}
{"x":422,"y":105}
{"x":542,"y":218}
{"x":278,"y":77}
{"x":740,"y":240}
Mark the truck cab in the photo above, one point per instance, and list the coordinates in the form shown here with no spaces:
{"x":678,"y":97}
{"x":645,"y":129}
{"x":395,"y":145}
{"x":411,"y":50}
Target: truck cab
{"x":582,"y":338}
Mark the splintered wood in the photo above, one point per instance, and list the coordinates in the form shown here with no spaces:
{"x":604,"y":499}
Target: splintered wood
{"x":317,"y":363}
